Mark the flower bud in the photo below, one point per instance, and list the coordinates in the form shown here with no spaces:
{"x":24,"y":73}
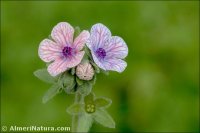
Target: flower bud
{"x":85,"y":71}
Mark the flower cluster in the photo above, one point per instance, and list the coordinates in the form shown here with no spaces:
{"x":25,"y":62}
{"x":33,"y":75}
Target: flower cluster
{"x":73,"y":59}
{"x":64,"y":52}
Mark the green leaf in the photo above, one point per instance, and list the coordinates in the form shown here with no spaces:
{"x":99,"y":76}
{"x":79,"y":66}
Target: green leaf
{"x":103,"y":118}
{"x":102,"y":102}
{"x":79,"y":81}
{"x":84,"y":123}
{"x":85,"y":59}
{"x":43,"y":75}
{"x":68,"y":82}
{"x":54,"y":89}
{"x":89,"y":98}
{"x":67,"y":78}
{"x":85,"y":88}
{"x":93,"y":81}
{"x":96,"y":68}
{"x":75,"y":109}
{"x":73,"y":71}
{"x":87,"y":52}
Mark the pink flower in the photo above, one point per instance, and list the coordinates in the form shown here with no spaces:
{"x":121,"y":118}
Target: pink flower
{"x":62,"y":51}
{"x":107,"y":51}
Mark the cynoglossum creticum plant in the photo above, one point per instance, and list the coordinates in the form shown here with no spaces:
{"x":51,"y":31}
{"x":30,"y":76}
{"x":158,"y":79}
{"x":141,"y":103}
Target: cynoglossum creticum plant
{"x":73,"y":65}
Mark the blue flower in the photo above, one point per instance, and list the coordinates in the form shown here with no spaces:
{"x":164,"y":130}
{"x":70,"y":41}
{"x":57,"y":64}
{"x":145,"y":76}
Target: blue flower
{"x":107,"y":51}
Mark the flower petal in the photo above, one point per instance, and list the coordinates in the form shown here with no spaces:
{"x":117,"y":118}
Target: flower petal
{"x":115,"y":65}
{"x":49,"y":50}
{"x":62,"y":64}
{"x":63,"y":33}
{"x":116,"y":48}
{"x":58,"y":66}
{"x":75,"y":59}
{"x":97,"y":61}
{"x":81,"y":40}
{"x":100,"y":36}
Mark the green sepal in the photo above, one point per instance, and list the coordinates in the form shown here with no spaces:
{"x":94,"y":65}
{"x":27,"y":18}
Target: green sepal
{"x":79,"y":81}
{"x":84,"y":123}
{"x":68,"y":82}
{"x":85,"y":58}
{"x":85,"y":88}
{"x":87,"y":52}
{"x":96,"y":68}
{"x":102,"y":102}
{"x":53,"y":91}
{"x":77,"y":31}
{"x":73,"y":71}
{"x":93,"y":80}
{"x":75,"y":109}
{"x":89,"y":98}
{"x":102,"y":117}
{"x":44,"y":75}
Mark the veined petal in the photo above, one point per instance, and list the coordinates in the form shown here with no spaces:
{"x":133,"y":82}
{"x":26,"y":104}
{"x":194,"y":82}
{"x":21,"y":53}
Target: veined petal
{"x":62,"y":64}
{"x":58,"y":66}
{"x":49,"y":50}
{"x":63,"y":33}
{"x":75,"y":59}
{"x":116,"y":48}
{"x":100,"y":36}
{"x":115,"y":65}
{"x":81,"y":40}
{"x":97,"y":61}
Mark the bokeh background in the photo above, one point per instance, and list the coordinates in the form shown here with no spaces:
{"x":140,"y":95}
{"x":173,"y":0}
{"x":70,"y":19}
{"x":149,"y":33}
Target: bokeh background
{"x":159,"y":90}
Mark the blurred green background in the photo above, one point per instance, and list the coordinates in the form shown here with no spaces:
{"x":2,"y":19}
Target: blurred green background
{"x":159,"y":90}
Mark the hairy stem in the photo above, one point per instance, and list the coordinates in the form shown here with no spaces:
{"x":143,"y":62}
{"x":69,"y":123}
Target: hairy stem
{"x":75,"y":118}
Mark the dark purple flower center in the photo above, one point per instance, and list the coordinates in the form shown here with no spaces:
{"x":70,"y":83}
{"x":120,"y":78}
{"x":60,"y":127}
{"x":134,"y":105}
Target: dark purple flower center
{"x":101,"y":53}
{"x":67,"y":51}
